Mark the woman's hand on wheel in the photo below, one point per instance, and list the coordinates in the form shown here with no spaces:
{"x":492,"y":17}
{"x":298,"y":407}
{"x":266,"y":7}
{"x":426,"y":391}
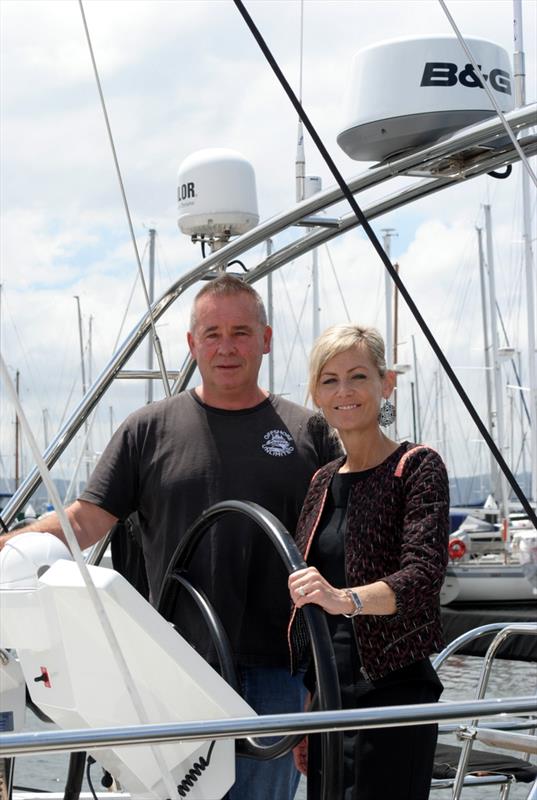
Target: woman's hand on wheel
{"x":308,"y":586}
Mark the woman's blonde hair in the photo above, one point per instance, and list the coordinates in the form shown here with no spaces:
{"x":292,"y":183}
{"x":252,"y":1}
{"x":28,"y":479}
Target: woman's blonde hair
{"x":336,"y":340}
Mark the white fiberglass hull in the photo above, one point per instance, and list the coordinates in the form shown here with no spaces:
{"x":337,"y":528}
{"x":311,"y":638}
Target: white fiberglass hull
{"x":486,"y":583}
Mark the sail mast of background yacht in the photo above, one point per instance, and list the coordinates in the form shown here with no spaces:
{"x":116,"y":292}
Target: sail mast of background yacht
{"x":520,"y":100}
{"x":496,"y":366}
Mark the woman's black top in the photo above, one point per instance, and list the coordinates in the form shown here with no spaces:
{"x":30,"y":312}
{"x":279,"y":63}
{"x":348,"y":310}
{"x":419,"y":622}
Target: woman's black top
{"x":328,"y":555}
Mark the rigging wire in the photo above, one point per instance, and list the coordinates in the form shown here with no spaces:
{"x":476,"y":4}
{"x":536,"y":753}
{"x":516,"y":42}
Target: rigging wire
{"x":297,"y":322}
{"x":387,"y":263}
{"x":156,"y":340}
{"x":129,"y":301}
{"x":300,"y":160}
{"x":515,"y":286}
{"x":92,"y":419}
{"x":296,"y":336}
{"x":281,"y":324}
{"x":513,"y":363}
{"x":161,"y":262}
{"x":491,"y":97}
{"x":337,"y":283}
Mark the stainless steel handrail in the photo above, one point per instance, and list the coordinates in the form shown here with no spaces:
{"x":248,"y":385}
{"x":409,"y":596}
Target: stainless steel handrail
{"x":513,"y":629}
{"x":472,"y":136}
{"x":12,"y":745}
{"x":503,"y":631}
{"x":478,"y":633}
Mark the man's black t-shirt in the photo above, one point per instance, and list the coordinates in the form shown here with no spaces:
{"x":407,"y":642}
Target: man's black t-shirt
{"x":173,"y":459}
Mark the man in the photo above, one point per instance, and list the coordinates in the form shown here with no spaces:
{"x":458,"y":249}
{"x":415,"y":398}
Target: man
{"x":226,"y":439}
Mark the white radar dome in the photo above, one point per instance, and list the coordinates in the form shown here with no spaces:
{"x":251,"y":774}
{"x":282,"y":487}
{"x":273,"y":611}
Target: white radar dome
{"x":408,"y":93}
{"x":216,"y":194}
{"x":24,"y":554}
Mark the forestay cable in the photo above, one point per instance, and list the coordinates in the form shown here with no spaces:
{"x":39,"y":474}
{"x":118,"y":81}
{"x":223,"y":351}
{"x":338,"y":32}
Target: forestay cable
{"x":386,"y":261}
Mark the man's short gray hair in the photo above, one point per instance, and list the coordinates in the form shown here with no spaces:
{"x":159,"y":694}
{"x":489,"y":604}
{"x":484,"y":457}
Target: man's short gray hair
{"x":227,"y":286}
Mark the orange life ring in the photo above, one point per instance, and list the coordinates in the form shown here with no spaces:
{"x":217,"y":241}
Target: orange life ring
{"x":456,"y":549}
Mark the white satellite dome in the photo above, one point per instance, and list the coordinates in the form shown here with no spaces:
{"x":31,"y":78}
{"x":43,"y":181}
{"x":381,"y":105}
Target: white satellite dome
{"x":216,"y":194}
{"x":23,"y":556}
{"x":410,"y":92}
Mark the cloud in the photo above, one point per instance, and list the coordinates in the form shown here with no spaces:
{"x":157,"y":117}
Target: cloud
{"x":180,"y":76}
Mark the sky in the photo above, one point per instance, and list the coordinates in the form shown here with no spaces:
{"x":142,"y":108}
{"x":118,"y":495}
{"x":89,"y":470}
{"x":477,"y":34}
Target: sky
{"x":179,"y":76}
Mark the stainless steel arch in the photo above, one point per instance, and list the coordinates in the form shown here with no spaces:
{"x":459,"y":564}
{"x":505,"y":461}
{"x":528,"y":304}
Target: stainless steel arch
{"x":468,"y":153}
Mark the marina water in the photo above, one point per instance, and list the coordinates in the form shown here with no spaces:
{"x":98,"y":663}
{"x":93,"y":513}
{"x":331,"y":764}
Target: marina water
{"x":460,"y":675}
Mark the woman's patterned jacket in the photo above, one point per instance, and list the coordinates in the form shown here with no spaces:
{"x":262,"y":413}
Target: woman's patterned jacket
{"x":397,"y":531}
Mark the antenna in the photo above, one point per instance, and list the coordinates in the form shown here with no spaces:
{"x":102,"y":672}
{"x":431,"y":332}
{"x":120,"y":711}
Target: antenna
{"x":217,"y":197}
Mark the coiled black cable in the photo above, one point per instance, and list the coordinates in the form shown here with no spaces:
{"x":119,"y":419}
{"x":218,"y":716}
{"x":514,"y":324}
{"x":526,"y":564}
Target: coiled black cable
{"x":90,"y":763}
{"x":183,"y":787}
{"x":191,"y":777}
{"x":236,"y":261}
{"x":501,"y":175}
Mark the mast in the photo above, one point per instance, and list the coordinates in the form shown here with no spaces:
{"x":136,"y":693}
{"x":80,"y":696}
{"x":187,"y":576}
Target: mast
{"x":312,"y":185}
{"x":89,"y":447}
{"x":90,"y":350}
{"x":442,"y":416}
{"x":84,"y":385}
{"x":151,"y":293}
{"x":395,"y":357}
{"x":300,"y":164}
{"x":438,"y":438}
{"x":520,"y":100}
{"x":305,"y":188}
{"x":45,"y":428}
{"x":523,"y":432}
{"x":315,"y":295}
{"x":488,"y":368}
{"x":387,"y":234}
{"x":300,"y":160}
{"x":17,"y":435}
{"x":270,"y":320}
{"x":418,"y":431}
{"x":498,"y":389}
{"x":414,"y":426}
{"x":45,"y":442}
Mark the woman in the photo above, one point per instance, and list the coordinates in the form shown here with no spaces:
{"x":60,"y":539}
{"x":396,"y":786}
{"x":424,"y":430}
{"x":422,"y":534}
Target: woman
{"x":374,"y":531}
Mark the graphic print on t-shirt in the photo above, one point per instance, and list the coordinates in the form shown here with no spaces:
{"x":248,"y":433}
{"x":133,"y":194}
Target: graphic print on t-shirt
{"x":278,"y":443}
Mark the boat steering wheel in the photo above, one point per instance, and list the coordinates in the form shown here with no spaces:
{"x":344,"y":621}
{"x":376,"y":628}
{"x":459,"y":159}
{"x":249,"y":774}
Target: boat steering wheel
{"x":328,"y":694}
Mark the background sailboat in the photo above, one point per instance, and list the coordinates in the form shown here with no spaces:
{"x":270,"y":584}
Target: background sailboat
{"x":45,"y":264}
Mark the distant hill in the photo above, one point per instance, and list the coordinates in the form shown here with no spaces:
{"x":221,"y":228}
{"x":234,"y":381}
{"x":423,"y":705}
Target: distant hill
{"x":475,"y":489}
{"x":472,"y":490}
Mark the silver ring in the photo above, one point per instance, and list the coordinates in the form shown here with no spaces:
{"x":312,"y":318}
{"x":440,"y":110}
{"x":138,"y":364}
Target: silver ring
{"x":301,"y":591}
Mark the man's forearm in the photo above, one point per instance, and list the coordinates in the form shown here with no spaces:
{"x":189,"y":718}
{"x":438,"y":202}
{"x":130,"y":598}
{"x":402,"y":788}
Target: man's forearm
{"x":89,"y":523}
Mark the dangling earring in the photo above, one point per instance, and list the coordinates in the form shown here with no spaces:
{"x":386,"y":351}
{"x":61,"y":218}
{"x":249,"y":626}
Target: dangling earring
{"x":387,"y":413}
